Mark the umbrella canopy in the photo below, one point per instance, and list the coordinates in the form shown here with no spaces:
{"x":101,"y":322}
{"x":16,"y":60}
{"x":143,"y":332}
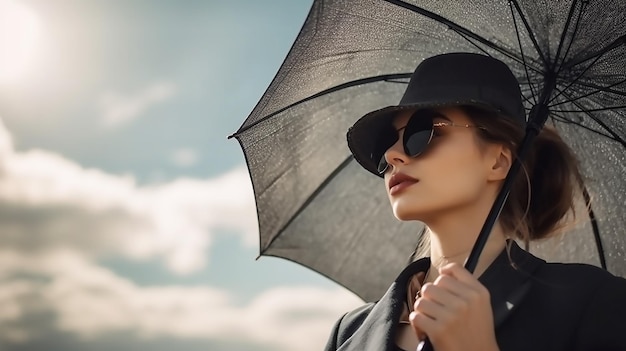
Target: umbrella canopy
{"x":318,"y":207}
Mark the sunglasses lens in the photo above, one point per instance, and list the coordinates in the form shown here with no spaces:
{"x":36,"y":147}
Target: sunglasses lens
{"x":416,"y":143}
{"x":418,"y":133}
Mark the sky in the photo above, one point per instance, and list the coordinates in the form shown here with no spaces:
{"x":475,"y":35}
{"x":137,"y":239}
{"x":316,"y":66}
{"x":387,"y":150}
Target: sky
{"x":127,"y":219}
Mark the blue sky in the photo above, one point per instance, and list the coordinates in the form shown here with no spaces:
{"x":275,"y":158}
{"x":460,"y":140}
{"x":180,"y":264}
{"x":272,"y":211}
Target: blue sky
{"x":128,"y":220}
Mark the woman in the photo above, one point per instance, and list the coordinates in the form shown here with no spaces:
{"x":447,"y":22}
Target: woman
{"x":444,"y":152}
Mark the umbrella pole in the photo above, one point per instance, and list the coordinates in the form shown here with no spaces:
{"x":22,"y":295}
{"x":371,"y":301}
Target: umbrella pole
{"x":537,"y":118}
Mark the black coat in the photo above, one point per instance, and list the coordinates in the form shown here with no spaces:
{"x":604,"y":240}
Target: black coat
{"x":536,"y":306}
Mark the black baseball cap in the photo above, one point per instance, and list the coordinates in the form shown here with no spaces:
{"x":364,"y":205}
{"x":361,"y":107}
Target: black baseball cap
{"x":451,"y":79}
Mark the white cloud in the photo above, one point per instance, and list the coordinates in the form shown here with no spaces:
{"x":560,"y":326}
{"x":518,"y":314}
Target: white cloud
{"x":47,"y":201}
{"x":184,"y":157}
{"x":118,"y":109}
{"x":90,"y":301}
{"x":57,"y":218}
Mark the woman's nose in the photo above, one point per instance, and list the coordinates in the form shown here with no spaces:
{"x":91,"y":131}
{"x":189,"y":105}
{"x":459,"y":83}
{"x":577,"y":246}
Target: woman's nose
{"x":395,"y":154}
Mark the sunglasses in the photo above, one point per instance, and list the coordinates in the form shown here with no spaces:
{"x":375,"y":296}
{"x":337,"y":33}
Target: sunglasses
{"x":418,"y":133}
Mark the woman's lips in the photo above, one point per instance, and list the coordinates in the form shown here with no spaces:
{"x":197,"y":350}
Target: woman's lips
{"x":399,"y":182}
{"x":401,"y":186}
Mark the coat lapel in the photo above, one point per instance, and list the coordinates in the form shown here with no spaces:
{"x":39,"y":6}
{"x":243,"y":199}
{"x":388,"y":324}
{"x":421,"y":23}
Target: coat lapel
{"x":377,"y":331}
{"x":508,"y":280}
{"x":508,"y":285}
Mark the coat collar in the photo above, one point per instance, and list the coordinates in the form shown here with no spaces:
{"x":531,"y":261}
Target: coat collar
{"x":507,"y":281}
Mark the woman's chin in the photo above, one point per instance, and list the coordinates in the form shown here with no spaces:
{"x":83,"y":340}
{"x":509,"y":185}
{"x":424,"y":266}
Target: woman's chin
{"x":407,"y":214}
{"x":416,"y":211}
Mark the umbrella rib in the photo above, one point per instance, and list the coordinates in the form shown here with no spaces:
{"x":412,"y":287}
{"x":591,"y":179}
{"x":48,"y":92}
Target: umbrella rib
{"x":576,"y":79}
{"x":530,"y":32}
{"x":455,"y":27}
{"x":310,"y":199}
{"x":563,"y":33}
{"x":583,"y":5}
{"x":384,"y":77}
{"x":599,"y":89}
{"x":595,"y":109}
{"x":521,"y":49}
{"x":615,"y":136}
{"x":566,"y":121}
{"x":603,"y":89}
{"x":475,"y":45}
{"x":595,"y":228}
{"x":524,"y":63}
{"x":616,"y":43}
{"x":527,"y":99}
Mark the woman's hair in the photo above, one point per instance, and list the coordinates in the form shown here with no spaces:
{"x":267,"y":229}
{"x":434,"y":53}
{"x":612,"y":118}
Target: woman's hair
{"x":543,"y":193}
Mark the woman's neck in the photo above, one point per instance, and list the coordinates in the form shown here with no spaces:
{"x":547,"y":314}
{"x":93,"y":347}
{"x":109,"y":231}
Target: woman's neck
{"x":452,"y":241}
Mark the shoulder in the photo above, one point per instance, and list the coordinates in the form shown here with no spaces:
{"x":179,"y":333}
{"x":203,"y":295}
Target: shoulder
{"x":579,"y":305}
{"x":347,"y":325}
{"x":579,"y":274}
{"x":595,"y":292}
{"x":576,"y":281}
{"x":559,"y":273}
{"x":600,"y":298}
{"x":373,"y":319}
{"x":352,"y":320}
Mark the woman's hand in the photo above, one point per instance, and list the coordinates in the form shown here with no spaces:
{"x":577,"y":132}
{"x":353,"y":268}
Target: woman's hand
{"x":455,"y":312}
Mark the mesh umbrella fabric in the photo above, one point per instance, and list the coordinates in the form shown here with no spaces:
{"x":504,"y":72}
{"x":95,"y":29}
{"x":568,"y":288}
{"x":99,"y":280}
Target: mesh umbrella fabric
{"x":317,"y":207}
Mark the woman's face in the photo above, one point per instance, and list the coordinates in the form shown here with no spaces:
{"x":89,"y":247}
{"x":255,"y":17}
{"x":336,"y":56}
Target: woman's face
{"x":452,"y":173}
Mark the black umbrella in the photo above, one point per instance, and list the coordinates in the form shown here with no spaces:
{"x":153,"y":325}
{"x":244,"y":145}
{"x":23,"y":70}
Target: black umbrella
{"x":317,"y":207}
